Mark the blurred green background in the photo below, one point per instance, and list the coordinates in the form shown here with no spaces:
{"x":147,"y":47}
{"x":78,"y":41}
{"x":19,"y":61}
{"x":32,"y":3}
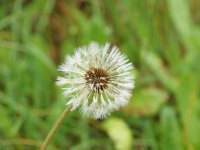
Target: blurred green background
{"x":160,"y":37}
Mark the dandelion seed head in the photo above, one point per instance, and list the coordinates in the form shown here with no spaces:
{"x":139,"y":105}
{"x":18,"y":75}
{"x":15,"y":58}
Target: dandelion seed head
{"x":98,"y":78}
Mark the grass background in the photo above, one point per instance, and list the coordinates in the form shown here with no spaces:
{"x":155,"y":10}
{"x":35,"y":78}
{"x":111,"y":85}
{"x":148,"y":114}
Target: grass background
{"x":160,"y":37}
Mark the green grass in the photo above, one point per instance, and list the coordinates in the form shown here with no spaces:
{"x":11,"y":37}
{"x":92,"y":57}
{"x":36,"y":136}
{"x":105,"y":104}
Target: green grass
{"x":160,"y":37}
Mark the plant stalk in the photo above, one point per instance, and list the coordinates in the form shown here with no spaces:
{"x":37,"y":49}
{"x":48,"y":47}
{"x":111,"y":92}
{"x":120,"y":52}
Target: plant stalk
{"x":55,"y":128}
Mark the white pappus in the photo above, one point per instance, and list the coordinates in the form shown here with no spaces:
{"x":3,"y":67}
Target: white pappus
{"x":98,"y":79}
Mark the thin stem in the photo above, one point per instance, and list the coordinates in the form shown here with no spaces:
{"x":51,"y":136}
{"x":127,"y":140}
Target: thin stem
{"x":55,"y":128}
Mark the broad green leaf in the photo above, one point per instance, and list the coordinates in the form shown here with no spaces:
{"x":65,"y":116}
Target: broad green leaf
{"x":170,"y":135}
{"x":182,"y":19}
{"x":119,"y":132}
{"x":156,"y":65}
{"x":146,"y":102}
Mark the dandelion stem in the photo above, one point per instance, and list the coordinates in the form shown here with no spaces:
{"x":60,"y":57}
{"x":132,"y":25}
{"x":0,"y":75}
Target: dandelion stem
{"x":55,"y":128}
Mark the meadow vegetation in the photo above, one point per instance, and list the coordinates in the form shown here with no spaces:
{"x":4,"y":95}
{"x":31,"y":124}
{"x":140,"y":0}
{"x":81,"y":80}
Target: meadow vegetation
{"x":160,"y":37}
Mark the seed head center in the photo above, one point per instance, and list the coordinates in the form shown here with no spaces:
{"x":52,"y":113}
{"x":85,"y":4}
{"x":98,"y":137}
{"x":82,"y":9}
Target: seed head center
{"x":97,"y":79}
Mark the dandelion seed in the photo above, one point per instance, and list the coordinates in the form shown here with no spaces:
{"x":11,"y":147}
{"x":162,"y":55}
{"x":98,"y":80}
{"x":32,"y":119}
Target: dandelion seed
{"x":98,"y":78}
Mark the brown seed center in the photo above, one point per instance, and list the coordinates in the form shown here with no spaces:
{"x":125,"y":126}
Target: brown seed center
{"x":97,"y":79}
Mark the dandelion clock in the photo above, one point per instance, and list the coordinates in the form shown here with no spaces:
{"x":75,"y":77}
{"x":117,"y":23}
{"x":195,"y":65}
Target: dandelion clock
{"x":97,"y":79}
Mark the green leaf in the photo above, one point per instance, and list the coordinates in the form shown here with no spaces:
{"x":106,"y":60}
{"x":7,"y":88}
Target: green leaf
{"x":146,"y":102}
{"x":182,"y":19}
{"x":170,"y":135}
{"x":119,"y":132}
{"x":156,"y":65}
